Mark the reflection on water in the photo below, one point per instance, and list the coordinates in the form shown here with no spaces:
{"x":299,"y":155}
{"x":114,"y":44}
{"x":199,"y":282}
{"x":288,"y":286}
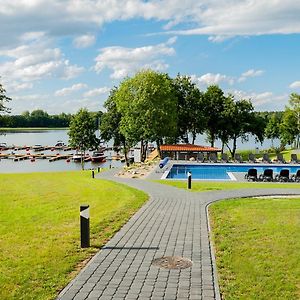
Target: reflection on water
{"x":45,"y":138}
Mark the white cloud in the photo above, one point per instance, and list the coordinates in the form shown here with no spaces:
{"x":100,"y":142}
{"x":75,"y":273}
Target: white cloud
{"x":295,"y":85}
{"x":125,"y":61}
{"x":69,"y":90}
{"x":210,"y":79}
{"x":36,"y":60}
{"x":263,"y":99}
{"x":84,"y":41}
{"x":219,"y":19}
{"x":96,"y":92}
{"x":250,"y":74}
{"x":227,"y":18}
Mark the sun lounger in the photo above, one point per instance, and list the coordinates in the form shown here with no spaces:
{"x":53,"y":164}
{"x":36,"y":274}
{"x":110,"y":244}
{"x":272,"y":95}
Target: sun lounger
{"x":266,"y":158}
{"x":200,"y":157}
{"x":238,"y":158}
{"x":280,"y":158}
{"x":294,"y":158}
{"x":267,"y":175}
{"x":251,"y":158}
{"x":224,"y":158}
{"x":296,"y":177}
{"x":213,"y":157}
{"x":283,"y":176}
{"x":251,"y":175}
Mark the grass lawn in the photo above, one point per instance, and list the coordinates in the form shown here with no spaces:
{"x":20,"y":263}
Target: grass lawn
{"x":257,"y":244}
{"x":204,"y":186}
{"x":39,"y":228}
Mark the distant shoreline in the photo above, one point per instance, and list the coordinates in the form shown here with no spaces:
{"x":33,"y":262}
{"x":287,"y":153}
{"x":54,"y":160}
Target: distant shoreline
{"x":31,"y":128}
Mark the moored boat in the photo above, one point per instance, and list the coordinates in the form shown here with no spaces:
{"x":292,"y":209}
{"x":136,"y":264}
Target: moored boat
{"x":98,"y":156}
{"x":59,"y":145}
{"x":78,"y":155}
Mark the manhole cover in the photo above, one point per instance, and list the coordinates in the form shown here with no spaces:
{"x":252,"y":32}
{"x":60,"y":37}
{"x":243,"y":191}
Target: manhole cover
{"x":172,"y":262}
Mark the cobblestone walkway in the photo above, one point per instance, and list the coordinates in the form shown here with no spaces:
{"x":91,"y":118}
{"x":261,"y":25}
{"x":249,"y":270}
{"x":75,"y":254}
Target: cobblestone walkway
{"x":172,"y":223}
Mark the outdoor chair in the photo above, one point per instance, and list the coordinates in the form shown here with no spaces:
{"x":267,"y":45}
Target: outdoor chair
{"x":296,"y":177}
{"x":251,"y":175}
{"x":224,"y":158}
{"x":294,"y":158}
{"x":283,"y":176}
{"x":200,"y":157}
{"x":251,"y":158}
{"x":238,"y":158}
{"x":267,"y":175}
{"x":213,"y":157}
{"x":266,"y":158}
{"x":280,"y":158}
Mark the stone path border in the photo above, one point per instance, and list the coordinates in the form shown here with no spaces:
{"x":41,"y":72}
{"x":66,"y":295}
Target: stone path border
{"x":172,"y":222}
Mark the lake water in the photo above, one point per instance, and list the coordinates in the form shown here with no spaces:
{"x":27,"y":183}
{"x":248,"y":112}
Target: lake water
{"x":45,"y":138}
{"x":50,"y":138}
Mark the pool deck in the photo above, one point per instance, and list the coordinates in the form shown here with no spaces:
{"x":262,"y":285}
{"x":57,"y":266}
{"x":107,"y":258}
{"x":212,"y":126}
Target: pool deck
{"x":239,"y":176}
{"x":173,"y":222}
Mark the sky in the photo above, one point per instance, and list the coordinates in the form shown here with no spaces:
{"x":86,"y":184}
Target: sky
{"x":62,"y":55}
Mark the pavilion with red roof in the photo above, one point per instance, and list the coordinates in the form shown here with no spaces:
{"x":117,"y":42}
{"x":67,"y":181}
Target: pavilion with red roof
{"x":186,"y":151}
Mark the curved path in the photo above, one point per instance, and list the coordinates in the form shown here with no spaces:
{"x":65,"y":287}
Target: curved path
{"x":172,"y":223}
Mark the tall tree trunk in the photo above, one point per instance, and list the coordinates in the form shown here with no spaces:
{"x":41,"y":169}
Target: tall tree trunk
{"x":125,"y":151}
{"x":194,"y":137}
{"x":231,"y":153}
{"x":234,"y":146}
{"x":158,"y":147}
{"x":82,"y":159}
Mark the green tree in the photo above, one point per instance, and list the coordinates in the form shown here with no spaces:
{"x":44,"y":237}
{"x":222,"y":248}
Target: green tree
{"x":191,"y":117}
{"x":290,"y":126}
{"x":272,"y":130}
{"x":239,"y":120}
{"x":213,"y":107}
{"x":110,"y":125}
{"x":147,"y":103}
{"x":3,"y":100}
{"x":82,"y":132}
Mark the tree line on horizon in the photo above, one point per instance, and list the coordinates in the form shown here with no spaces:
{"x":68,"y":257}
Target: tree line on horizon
{"x":153,"y":107}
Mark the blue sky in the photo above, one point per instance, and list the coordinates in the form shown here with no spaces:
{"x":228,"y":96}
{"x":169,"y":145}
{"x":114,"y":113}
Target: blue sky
{"x":62,"y":55}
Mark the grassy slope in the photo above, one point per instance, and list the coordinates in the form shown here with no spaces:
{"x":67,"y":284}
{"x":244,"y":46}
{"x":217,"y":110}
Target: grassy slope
{"x":212,"y":186}
{"x":39,"y":227}
{"x":257,"y":245}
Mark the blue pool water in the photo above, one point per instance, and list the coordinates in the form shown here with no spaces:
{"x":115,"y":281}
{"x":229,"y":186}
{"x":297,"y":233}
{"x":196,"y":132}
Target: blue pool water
{"x":220,"y":172}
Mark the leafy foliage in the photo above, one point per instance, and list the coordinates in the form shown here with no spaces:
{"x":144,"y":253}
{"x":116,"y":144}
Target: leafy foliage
{"x":147,"y":104}
{"x":191,"y":118}
{"x":290,"y":126}
{"x":82,"y":132}
{"x":3,"y":99}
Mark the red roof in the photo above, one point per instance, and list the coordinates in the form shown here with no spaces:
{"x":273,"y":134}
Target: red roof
{"x":188,"y":148}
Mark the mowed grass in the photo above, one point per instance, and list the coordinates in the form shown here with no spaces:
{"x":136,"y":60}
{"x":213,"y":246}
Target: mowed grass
{"x":257,"y":243}
{"x":39,"y":228}
{"x":204,"y":186}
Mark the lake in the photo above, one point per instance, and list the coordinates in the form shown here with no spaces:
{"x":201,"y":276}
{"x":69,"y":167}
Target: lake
{"x":50,"y":138}
{"x":45,"y":138}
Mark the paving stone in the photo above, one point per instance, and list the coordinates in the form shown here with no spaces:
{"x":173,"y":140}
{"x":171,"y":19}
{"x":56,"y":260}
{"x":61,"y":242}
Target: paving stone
{"x":172,"y":222}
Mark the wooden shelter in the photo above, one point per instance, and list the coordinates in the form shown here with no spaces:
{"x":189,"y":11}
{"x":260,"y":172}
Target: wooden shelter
{"x":186,"y":151}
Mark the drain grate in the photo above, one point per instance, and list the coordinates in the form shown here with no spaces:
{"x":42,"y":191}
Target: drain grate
{"x":172,"y":262}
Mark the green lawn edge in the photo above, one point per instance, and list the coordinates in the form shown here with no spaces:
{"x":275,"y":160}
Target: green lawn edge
{"x":257,"y":244}
{"x":205,"y":186}
{"x":39,"y":228}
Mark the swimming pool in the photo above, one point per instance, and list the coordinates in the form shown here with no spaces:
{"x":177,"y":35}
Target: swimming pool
{"x":221,"y":172}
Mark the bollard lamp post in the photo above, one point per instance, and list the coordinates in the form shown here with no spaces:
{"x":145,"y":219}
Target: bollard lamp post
{"x":189,"y":176}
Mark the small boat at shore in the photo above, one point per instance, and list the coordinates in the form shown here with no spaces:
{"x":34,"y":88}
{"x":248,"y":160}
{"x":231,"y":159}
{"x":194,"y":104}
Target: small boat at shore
{"x":37,"y":147}
{"x":59,"y":145}
{"x":98,"y":156}
{"x":78,"y":156}
{"x":3,"y":146}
